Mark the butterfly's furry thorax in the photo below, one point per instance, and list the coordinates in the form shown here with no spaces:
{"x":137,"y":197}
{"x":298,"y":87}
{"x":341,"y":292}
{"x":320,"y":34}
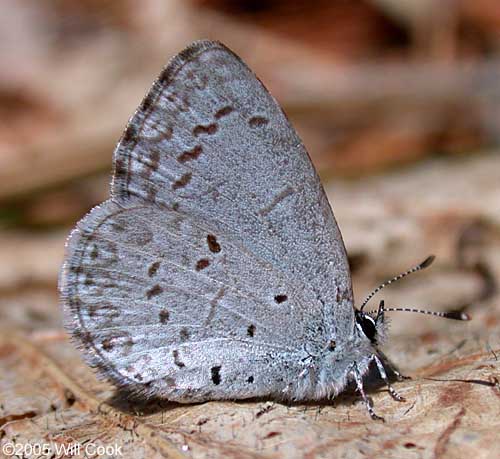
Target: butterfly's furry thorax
{"x":326,"y":374}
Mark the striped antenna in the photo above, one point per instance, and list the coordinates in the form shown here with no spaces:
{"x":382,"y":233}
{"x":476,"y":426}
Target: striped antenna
{"x":455,"y":315}
{"x":426,"y":263}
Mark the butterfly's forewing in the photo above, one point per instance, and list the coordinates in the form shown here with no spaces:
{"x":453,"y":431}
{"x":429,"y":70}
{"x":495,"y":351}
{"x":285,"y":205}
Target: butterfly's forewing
{"x":210,"y":141}
{"x":218,"y":259}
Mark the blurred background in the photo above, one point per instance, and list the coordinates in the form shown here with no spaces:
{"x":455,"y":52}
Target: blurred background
{"x":397,"y":101}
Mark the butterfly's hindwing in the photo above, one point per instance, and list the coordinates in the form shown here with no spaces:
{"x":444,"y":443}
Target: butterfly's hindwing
{"x":155,"y":297}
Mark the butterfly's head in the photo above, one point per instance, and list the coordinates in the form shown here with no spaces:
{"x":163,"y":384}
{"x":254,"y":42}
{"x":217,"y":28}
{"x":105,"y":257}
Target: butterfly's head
{"x":373,"y":324}
{"x":374,"y":328}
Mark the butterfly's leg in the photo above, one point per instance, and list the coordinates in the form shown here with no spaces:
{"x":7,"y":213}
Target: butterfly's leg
{"x":383,"y":375}
{"x":399,"y":376}
{"x":359,"y":383}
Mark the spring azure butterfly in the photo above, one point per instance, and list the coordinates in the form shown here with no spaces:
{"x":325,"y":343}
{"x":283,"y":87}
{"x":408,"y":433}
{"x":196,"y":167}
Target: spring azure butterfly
{"x":216,"y":270}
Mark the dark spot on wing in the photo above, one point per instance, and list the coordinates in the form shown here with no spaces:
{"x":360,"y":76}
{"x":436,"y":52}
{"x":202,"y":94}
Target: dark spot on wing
{"x":341,"y":294}
{"x":154,"y":159}
{"x":138,"y":376}
{"x":251,"y":330}
{"x":147,"y":101}
{"x":175,"y":206}
{"x":183,"y":181}
{"x":118,"y":226}
{"x":122,"y":338}
{"x":215,"y":375}
{"x":196,"y":80}
{"x":202,"y":264}
{"x":164,"y":316}
{"x":130,"y":134}
{"x":161,"y":133}
{"x":89,"y":280}
{"x":257,"y":121}
{"x":208,"y":129}
{"x":107,"y":344}
{"x":120,"y":168}
{"x":250,"y":379}
{"x":184,"y":334}
{"x":332,"y":345}
{"x":280,"y":298}
{"x":153,"y":291}
{"x":190,"y":155}
{"x":94,"y":253}
{"x":75,"y":303}
{"x":180,"y":101}
{"x":213,"y":245}
{"x":85,"y":337}
{"x":177,"y":361}
{"x":223,"y":112}
{"x":76,"y":269}
{"x":153,"y":268}
{"x":105,"y":311}
{"x":165,"y":76}
{"x":107,"y":283}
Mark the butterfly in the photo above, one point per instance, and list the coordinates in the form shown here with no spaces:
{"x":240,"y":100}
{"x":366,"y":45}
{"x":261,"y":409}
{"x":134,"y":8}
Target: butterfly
{"x":216,"y":270}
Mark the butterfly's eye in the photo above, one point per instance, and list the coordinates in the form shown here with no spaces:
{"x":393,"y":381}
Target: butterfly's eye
{"x":367,"y":325}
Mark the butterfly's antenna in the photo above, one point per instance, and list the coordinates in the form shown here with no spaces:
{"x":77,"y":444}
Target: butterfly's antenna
{"x":427,"y":262}
{"x":456,"y":315}
{"x":380,"y":310}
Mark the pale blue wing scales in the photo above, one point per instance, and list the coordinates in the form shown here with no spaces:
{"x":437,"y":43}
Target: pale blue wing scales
{"x":210,"y":141}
